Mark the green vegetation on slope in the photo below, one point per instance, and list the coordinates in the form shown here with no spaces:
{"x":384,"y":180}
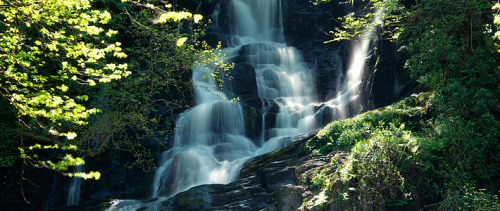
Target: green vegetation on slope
{"x":404,"y":156}
{"x":435,"y":150}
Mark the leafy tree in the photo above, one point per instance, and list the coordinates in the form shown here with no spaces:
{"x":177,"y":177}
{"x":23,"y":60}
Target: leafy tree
{"x":53,"y":54}
{"x":48,"y":49}
{"x":59,"y":65}
{"x":46,"y":44}
{"x":163,"y":46}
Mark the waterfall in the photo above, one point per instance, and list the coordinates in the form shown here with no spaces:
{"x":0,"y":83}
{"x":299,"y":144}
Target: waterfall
{"x":350,"y":91}
{"x":281,"y":74}
{"x":210,"y":143}
{"x":74,"y":187}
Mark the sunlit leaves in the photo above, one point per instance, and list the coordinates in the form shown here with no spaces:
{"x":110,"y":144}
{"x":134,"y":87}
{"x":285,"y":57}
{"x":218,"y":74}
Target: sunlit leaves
{"x":49,"y":48}
{"x":317,"y":2}
{"x":181,"y":41}
{"x":62,"y":165}
{"x":69,"y":135}
{"x":178,"y":16}
{"x":90,"y":175}
{"x":38,"y":32}
{"x":496,"y":21}
{"x":381,"y":13}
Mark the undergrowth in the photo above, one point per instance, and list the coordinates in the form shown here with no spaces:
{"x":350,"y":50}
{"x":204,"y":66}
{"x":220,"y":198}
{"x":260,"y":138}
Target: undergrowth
{"x":411,"y":156}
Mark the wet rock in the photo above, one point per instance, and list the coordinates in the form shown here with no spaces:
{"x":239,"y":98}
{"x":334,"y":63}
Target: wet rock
{"x":382,"y":86}
{"x":242,"y":83}
{"x":243,"y":194}
{"x":268,"y":182}
{"x":253,"y":122}
{"x":270,"y":118}
{"x":289,"y":197}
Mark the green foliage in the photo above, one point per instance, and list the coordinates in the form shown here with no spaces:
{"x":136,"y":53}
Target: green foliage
{"x":425,"y":161}
{"x":496,"y":22}
{"x":30,"y":155}
{"x":469,"y":198}
{"x":343,"y":134}
{"x":55,"y":58}
{"x":49,"y":51}
{"x":452,"y":47}
{"x":318,"y":180}
{"x":385,"y":14}
{"x":163,"y":46}
{"x":378,"y":167}
{"x":320,"y":184}
{"x":44,"y":49}
{"x":452,"y":54}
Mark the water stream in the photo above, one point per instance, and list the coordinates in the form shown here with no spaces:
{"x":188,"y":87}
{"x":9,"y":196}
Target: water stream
{"x":74,"y":187}
{"x":349,"y":92}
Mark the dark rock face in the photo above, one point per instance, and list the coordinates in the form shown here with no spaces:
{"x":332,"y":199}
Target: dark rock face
{"x":239,"y":195}
{"x":32,"y":189}
{"x":242,"y":83}
{"x":253,"y":121}
{"x":386,"y":79}
{"x":118,"y":180}
{"x":48,"y":190}
{"x":306,"y":27}
{"x":289,"y":197}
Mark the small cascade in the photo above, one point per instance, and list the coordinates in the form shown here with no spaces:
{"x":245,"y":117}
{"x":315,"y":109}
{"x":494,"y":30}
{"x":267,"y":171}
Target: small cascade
{"x":256,"y":21}
{"x":74,"y":187}
{"x":350,"y":92}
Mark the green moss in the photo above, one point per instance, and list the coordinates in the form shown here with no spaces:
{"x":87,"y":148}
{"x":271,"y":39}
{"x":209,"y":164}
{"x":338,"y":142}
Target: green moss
{"x":185,"y":201}
{"x":343,"y":134}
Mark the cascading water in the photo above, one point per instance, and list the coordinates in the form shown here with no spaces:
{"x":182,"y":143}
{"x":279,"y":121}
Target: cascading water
{"x":350,"y":91}
{"x":74,"y":187}
{"x":210,"y":143}
{"x":281,"y":75}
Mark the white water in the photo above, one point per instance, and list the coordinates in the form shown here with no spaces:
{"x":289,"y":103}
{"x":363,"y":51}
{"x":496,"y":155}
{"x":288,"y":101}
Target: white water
{"x":74,"y":187}
{"x":210,"y":143}
{"x":350,"y":91}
